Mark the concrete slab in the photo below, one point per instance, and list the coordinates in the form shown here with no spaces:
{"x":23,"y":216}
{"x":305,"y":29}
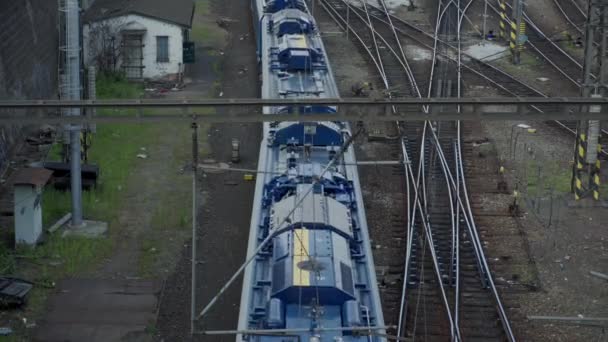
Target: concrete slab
{"x":100,"y":310}
{"x":90,"y":229}
{"x":487,"y":50}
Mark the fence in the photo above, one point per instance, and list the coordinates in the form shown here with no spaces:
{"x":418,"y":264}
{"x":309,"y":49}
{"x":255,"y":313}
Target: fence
{"x":541,"y":176}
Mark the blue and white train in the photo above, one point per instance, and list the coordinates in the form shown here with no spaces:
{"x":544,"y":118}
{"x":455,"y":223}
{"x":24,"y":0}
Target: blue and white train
{"x":314,"y":279}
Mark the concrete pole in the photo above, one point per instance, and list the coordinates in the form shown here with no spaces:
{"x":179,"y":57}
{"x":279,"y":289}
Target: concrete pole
{"x":516,"y":23}
{"x":92,"y":86}
{"x":73,"y":87}
{"x":588,"y":132}
{"x":602,"y":58}
{"x":485,"y":17}
{"x":91,"y":95}
{"x":194,"y":227}
{"x":347,"y":20}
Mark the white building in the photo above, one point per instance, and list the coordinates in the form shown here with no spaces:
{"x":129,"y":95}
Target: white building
{"x":142,"y":38}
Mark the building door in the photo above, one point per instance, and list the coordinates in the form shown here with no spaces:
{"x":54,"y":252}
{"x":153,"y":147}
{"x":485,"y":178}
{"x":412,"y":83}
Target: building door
{"x":133,"y":56}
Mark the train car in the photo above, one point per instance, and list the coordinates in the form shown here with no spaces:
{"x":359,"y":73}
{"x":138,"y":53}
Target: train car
{"x":312,"y":277}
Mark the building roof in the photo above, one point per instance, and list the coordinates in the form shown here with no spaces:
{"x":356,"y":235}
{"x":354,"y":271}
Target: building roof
{"x":178,"y":12}
{"x":36,"y":176}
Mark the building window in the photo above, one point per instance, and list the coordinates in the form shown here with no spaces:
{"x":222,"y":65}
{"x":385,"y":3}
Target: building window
{"x":162,"y":49}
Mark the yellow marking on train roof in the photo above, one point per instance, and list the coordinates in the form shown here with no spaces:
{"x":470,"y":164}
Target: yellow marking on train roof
{"x":301,"y":277}
{"x":299,"y":42}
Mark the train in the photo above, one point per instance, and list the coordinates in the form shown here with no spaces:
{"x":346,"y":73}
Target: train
{"x":312,"y":275}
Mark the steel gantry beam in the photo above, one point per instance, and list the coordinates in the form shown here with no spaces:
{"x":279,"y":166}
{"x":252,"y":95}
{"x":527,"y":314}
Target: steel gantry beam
{"x":356,"y":101}
{"x":349,"y":109}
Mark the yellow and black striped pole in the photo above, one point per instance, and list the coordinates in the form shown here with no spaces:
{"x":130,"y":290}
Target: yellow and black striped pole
{"x":581,"y":148}
{"x":595,"y":175}
{"x":518,"y":31}
{"x":513,"y":43}
{"x":503,"y":19}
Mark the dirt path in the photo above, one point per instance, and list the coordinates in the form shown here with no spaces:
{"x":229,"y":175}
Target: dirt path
{"x":227,"y":199}
{"x":151,"y":183}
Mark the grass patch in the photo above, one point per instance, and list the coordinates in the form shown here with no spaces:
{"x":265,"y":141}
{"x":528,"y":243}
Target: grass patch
{"x":59,"y":257}
{"x":528,"y":62}
{"x":170,"y":222}
{"x":7,"y":260}
{"x":525,"y":274}
{"x":203,"y":7}
{"x":111,"y":86}
{"x":205,"y":31}
{"x":566,"y":40}
{"x":543,"y":178}
{"x":114,"y":149}
{"x":56,"y":152}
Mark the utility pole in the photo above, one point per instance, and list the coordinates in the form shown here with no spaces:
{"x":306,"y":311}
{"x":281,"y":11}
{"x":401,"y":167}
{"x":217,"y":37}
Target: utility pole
{"x":194,"y":227}
{"x":485,"y":18}
{"x":504,"y":20}
{"x":347,"y":20}
{"x":88,"y":131}
{"x":595,"y":84}
{"x":518,"y":30}
{"x":72,"y":90}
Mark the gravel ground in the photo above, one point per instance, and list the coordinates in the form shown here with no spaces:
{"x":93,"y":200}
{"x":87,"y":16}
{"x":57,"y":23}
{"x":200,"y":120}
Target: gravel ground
{"x":538,"y":270}
{"x":225,"y":213}
{"x":565,"y":242}
{"x":565,"y":246}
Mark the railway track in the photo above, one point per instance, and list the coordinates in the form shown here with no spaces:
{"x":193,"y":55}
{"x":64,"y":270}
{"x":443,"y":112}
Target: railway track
{"x":574,"y":14}
{"x":547,"y":49}
{"x":432,"y":269}
{"x":506,"y":83}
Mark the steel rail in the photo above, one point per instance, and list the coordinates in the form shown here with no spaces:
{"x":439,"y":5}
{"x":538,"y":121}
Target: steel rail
{"x":473,"y":231}
{"x":568,"y":18}
{"x":468,"y":217}
{"x":447,"y":173}
{"x":477,"y":72}
{"x":544,"y":37}
{"x":373,"y":34}
{"x":409,"y":73}
{"x":347,"y":27}
{"x":532,"y":24}
{"x":582,"y":11}
{"x":483,"y":75}
{"x":455,"y":329}
{"x":540,"y":53}
{"x":456,"y":239}
{"x":459,"y":164}
{"x":562,"y":51}
{"x":407,"y":68}
{"x":501,"y":310}
{"x":456,"y":245}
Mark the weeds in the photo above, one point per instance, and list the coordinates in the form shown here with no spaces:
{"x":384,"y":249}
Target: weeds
{"x":205,"y":32}
{"x":116,"y":86}
{"x":547,"y":177}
